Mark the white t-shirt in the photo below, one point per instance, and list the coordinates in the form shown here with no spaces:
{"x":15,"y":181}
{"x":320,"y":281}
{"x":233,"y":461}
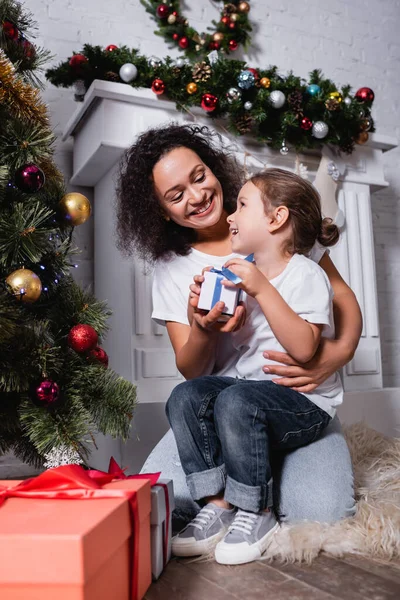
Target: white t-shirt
{"x":306,"y":289}
{"x":171,"y":281}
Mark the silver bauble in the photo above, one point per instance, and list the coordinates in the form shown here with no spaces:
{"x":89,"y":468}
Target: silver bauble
{"x":248,"y":105}
{"x":320,"y":130}
{"x":128,"y":72}
{"x":347,"y":101}
{"x":277,"y":99}
{"x":284,"y":150}
{"x":233,"y":94}
{"x":180,"y":62}
{"x":246,"y":79}
{"x":154,"y":62}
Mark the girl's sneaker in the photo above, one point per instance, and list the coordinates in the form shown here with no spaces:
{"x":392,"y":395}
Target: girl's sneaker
{"x":247,"y":538}
{"x":200,"y":535}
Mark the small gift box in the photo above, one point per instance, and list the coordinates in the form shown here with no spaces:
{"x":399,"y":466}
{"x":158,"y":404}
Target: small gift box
{"x":212,"y":291}
{"x":64,"y":535}
{"x":162,"y":505}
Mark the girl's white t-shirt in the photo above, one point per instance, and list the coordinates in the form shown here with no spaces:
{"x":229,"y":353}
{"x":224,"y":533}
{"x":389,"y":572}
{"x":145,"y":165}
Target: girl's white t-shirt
{"x":171,"y":280}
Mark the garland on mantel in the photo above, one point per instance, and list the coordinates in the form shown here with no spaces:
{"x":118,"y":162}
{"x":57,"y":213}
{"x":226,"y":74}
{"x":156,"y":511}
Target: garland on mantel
{"x":281,"y":111}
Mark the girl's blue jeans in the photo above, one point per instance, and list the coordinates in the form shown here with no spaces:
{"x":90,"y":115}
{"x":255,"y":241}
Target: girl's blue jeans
{"x":230,"y":433}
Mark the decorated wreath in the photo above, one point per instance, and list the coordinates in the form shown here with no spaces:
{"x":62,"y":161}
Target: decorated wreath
{"x":282,"y":111}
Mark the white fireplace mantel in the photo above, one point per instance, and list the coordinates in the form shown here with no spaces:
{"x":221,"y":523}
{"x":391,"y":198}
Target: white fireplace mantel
{"x":111,"y":116}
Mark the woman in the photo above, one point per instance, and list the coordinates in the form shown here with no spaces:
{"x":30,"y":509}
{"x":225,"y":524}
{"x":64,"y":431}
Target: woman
{"x":175,"y":191}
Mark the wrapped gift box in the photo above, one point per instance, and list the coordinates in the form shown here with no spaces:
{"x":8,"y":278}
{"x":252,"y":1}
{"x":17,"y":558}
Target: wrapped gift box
{"x":212,"y":291}
{"x":161,"y":524}
{"x":78,"y":549}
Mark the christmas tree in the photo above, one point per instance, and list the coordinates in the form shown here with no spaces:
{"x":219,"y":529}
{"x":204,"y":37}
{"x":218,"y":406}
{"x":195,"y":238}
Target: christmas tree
{"x":56,"y":391}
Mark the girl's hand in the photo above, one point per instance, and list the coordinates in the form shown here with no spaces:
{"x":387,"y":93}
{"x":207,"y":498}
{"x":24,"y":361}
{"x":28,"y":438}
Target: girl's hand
{"x":304,"y":378}
{"x":253,"y":281}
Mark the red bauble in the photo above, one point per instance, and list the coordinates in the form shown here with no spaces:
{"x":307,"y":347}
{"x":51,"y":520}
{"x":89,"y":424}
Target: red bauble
{"x":225,"y":20}
{"x":183,"y":42}
{"x":175,"y":13}
{"x":10,"y":30}
{"x":46,"y":393}
{"x":364,"y":94}
{"x":175,"y":36}
{"x":254,"y":71}
{"x":82,"y":338}
{"x":232,"y":25}
{"x":111,"y":48}
{"x":100,"y":355}
{"x":29,"y":178}
{"x":233,"y":45}
{"x":77,"y":60}
{"x":162,"y":11}
{"x":158,"y":87}
{"x":306,"y":123}
{"x":209,"y":102}
{"x":214,"y":45}
{"x":29,"y":49}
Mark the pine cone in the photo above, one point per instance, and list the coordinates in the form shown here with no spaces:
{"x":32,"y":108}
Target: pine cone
{"x":332,"y":104}
{"x":295,"y":100}
{"x":201,"y":72}
{"x":243,"y":124}
{"x":229,"y":9}
{"x":347,"y":146}
{"x":111,"y":76}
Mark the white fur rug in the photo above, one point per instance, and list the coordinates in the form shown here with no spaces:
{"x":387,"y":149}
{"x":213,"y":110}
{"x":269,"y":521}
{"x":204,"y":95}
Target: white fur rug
{"x":375,"y":529}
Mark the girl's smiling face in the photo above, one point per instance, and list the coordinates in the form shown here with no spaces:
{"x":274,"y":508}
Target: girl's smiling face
{"x":249,"y":225}
{"x":187,"y":189}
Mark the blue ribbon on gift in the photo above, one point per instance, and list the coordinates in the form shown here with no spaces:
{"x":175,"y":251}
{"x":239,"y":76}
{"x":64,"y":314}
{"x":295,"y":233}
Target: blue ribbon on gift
{"x":225,"y":273}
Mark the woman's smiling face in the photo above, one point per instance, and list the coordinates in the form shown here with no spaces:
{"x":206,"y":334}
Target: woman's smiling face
{"x":187,"y":189}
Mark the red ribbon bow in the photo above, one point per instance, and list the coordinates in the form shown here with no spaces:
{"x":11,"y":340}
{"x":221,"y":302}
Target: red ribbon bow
{"x":74,"y":482}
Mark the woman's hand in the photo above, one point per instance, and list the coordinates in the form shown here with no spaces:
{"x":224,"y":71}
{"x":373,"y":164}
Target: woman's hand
{"x":304,"y":378}
{"x":210,"y":319}
{"x":253,"y":281}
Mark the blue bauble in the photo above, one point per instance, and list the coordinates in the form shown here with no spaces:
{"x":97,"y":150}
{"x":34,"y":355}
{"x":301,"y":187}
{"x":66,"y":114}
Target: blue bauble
{"x":246,"y":80}
{"x":313,"y":89}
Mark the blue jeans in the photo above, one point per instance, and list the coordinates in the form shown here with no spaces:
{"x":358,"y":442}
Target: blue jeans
{"x":227,"y":430}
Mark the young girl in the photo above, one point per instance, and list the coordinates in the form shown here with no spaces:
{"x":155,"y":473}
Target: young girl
{"x":226,"y":428}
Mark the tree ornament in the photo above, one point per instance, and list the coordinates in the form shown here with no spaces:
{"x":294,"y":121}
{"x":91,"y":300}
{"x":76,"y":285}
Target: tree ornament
{"x":111,"y":76}
{"x":362,"y":138}
{"x":234,"y":17}
{"x":128,"y":72}
{"x":46,"y":393}
{"x":233,"y":45}
{"x":284,"y":150}
{"x":191,"y":88}
{"x":183,"y":42}
{"x":171,"y":19}
{"x":233,"y":95}
{"x":162,"y":11}
{"x":111,"y":48}
{"x":332,"y":104}
{"x":75,"y":208}
{"x":248,"y":105}
{"x":61,"y":456}
{"x":313,"y":89}
{"x":180,"y":62}
{"x":243,"y":123}
{"x":29,"y":178}
{"x":214,"y":45}
{"x":336,"y":96}
{"x":209,"y":102}
{"x":201,"y":72}
{"x":347,"y":101}
{"x":29,"y":49}
{"x":225,"y":20}
{"x":366,"y":124}
{"x":244,"y":7}
{"x":77,"y":60}
{"x":79,"y":88}
{"x":265,"y":82}
{"x":364,"y":94}
{"x":82,"y":338}
{"x":295,"y":99}
{"x":306,"y":123}
{"x":246,"y":79}
{"x":320,"y":130}
{"x":158,"y":87}
{"x":229,"y":8}
{"x":10,"y":30}
{"x":25,"y":285}
{"x":175,"y":36}
{"x":232,"y":25}
{"x":277,"y":99}
{"x":100,"y":355}
{"x":154,"y":62}
{"x":218,"y":36}
{"x":255,"y":72}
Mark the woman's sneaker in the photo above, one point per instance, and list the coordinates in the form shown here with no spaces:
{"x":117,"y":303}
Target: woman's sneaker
{"x":207,"y":528}
{"x":247,"y":538}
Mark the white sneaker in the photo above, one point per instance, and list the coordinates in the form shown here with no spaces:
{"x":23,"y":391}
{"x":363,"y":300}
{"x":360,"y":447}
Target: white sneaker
{"x":247,"y":538}
{"x":200,"y":535}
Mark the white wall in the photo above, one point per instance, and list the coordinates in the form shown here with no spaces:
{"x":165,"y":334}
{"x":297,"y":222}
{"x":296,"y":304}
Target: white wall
{"x":353,"y":41}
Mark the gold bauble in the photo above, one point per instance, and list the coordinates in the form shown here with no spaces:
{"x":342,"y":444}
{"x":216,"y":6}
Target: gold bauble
{"x":265,"y":82}
{"x":25,"y":285}
{"x":191,"y":87}
{"x":76,"y":208}
{"x":337,"y":96}
{"x":171,"y":19}
{"x":362,"y":138}
{"x":218,"y":37}
{"x":244,"y":7}
{"x":234,"y":17}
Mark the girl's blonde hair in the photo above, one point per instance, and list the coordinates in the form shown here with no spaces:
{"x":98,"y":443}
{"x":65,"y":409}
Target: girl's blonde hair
{"x":283,"y":188}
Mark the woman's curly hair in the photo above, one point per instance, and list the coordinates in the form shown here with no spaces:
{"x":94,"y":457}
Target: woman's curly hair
{"x":141,"y":224}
